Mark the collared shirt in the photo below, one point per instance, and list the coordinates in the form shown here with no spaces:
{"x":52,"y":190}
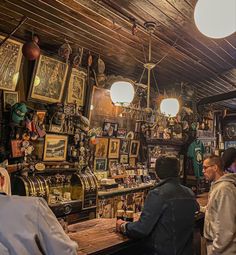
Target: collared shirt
{"x":28,"y":227}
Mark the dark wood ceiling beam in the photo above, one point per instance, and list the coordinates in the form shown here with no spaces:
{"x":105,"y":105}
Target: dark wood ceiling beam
{"x":40,"y":19}
{"x":215,"y":45}
{"x":198,"y":39}
{"x":104,"y":45}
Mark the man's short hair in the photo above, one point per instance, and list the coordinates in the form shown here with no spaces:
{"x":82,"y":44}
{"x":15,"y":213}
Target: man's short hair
{"x":215,"y":160}
{"x":167,"y":166}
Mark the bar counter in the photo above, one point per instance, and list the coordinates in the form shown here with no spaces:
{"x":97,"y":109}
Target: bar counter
{"x":98,"y":236}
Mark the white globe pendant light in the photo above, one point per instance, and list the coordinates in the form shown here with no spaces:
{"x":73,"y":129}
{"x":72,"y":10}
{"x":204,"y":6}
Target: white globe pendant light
{"x":215,"y":18}
{"x":122,"y":93}
{"x":169,"y":107}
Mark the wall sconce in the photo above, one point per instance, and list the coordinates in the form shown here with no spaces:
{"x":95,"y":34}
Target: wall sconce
{"x":215,"y":18}
{"x":169,"y":107}
{"x":122,"y":93}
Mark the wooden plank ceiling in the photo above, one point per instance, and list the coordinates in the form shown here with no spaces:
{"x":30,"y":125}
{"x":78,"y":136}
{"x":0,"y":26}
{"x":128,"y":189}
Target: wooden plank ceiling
{"x":105,"y":28}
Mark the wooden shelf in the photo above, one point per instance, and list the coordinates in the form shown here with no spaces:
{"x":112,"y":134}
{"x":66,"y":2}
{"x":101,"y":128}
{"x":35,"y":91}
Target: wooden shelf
{"x":172,"y":142}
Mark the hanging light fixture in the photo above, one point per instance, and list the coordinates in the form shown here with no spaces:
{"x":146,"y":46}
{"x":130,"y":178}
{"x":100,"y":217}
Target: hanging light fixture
{"x":169,"y":107}
{"x":215,"y":18}
{"x":122,"y":93}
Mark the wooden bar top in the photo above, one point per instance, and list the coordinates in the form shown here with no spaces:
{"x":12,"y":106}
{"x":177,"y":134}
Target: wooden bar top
{"x":97,"y":236}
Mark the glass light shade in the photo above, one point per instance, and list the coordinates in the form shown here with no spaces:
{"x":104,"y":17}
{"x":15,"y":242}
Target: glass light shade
{"x":215,"y":18}
{"x":122,"y":93}
{"x":169,"y":107}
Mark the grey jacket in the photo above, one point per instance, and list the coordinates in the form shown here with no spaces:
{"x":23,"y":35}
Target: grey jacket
{"x":28,"y":227}
{"x":220,"y":217}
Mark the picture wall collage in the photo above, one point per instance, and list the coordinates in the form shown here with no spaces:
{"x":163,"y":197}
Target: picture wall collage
{"x":115,"y":147}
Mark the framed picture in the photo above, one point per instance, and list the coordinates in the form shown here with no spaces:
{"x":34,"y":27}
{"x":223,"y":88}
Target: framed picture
{"x":101,"y":147}
{"x":16,"y":148}
{"x":132,"y":161}
{"x":100,"y":164}
{"x":55,"y":148}
{"x":121,"y":132}
{"x":124,"y":146}
{"x":41,"y":116}
{"x":114,"y":147}
{"x":111,"y":162}
{"x":10,"y":61}
{"x":76,"y":87}
{"x":48,"y":81}
{"x":134,"y":148}
{"x":110,"y":129}
{"x":124,"y":159}
{"x":9,"y":99}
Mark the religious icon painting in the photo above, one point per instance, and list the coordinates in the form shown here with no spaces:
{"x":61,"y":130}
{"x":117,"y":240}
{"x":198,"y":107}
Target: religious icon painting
{"x":114,"y":147}
{"x":101,"y":147}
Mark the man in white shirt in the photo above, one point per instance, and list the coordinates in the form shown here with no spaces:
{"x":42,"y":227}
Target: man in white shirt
{"x":29,"y":227}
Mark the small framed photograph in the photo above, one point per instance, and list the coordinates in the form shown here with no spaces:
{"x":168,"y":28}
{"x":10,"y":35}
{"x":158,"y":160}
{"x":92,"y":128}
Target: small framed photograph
{"x":16,"y":148}
{"x":101,"y":147}
{"x":100,"y":164}
{"x":55,"y":148}
{"x":41,"y":116}
{"x":124,"y":146}
{"x":114,"y":147}
{"x":112,"y":162}
{"x":9,"y":99}
{"x":110,"y":129}
{"x":124,"y":159}
{"x":132,"y":161}
{"x":134,"y":148}
{"x":121,"y":132}
{"x":76,"y":87}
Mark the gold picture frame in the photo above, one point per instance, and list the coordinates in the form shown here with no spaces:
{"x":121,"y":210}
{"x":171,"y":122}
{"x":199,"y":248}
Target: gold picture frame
{"x":9,"y":99}
{"x":76,"y":87}
{"x":124,"y":159}
{"x":10,"y":62}
{"x":55,"y":147}
{"x":134,"y":148}
{"x":101,"y":147}
{"x":114,"y":148}
{"x":49,"y":80}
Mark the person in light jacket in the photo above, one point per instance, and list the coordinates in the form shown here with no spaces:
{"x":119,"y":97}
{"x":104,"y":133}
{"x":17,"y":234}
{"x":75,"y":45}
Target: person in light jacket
{"x":220,"y":215}
{"x":166,"y":224}
{"x":29,"y":227}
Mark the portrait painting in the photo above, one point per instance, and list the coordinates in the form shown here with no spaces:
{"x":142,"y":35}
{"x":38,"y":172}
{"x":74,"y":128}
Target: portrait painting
{"x":48,"y":81}
{"x":134,"y":148}
{"x":16,"y":148}
{"x":124,"y":159}
{"x":110,"y":129}
{"x":100,"y":164}
{"x":55,"y":148}
{"x":76,"y":87}
{"x":10,"y":61}
{"x":124,"y":146}
{"x":114,"y":147}
{"x":101,"y":147}
{"x":9,"y":99}
{"x":41,"y":116}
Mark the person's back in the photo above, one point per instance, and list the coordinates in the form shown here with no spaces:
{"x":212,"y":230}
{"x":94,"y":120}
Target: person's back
{"x":167,"y":220}
{"x":173,"y":233}
{"x":28,"y":227}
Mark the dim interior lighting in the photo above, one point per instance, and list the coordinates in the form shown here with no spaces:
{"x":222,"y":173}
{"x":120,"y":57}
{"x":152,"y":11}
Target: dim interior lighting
{"x":215,"y":18}
{"x":169,"y":107}
{"x":122,"y":93}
